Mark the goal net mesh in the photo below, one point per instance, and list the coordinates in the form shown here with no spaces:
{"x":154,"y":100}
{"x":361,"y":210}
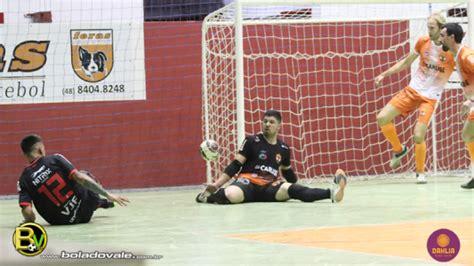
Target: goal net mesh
{"x":317,"y":64}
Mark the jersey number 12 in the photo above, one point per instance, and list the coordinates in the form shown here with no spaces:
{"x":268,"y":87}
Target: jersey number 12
{"x":56,"y":197}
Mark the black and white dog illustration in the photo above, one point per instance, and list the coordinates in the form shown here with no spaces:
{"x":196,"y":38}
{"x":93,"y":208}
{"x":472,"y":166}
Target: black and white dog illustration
{"x":92,"y":62}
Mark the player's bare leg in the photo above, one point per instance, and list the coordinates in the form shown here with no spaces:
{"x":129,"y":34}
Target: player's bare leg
{"x":234,"y":194}
{"x":468,"y":137}
{"x":231,"y":194}
{"x":420,"y":152}
{"x":282,"y":193}
{"x":384,"y":120}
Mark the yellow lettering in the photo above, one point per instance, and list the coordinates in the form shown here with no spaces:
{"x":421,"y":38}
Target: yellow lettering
{"x":2,"y":57}
{"x":29,"y":56}
{"x":19,"y":237}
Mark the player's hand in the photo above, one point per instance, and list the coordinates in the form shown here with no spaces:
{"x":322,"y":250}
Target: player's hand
{"x":378,"y":80}
{"x":121,"y":200}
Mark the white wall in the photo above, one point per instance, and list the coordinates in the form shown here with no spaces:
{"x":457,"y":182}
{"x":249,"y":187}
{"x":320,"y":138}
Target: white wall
{"x":68,"y":11}
{"x":381,"y":10}
{"x":340,"y":11}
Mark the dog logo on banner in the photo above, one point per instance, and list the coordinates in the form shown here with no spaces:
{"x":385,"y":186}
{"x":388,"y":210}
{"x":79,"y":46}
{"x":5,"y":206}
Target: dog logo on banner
{"x":92,"y":54}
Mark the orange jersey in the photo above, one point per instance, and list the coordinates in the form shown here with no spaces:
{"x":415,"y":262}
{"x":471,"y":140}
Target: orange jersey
{"x":434,"y":69}
{"x":465,"y":68}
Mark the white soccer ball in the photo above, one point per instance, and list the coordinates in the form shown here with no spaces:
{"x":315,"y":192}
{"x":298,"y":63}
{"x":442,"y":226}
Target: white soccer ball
{"x":31,"y":247}
{"x":209,"y":150}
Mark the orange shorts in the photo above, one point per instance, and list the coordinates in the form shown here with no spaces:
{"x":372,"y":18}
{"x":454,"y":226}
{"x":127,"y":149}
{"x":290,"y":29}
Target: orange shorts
{"x":407,"y":100}
{"x":471,"y":116}
{"x":255,"y":179}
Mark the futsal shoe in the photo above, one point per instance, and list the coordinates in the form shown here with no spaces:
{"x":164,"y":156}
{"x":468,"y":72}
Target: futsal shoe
{"x":202,"y":197}
{"x":421,"y":178}
{"x":340,"y":181}
{"x":397,"y":157}
{"x":105,"y":204}
{"x":469,"y":184}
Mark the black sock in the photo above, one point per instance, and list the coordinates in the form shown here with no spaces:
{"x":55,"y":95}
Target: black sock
{"x":103,"y":203}
{"x":218,"y":197}
{"x":306,"y":194}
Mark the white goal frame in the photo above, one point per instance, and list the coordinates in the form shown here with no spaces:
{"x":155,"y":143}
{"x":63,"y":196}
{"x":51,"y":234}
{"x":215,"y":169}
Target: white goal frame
{"x":239,"y":22}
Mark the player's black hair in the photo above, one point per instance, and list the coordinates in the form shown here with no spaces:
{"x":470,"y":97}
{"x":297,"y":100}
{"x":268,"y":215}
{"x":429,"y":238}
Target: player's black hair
{"x":456,"y":29}
{"x":28,"y":142}
{"x":273,"y":113}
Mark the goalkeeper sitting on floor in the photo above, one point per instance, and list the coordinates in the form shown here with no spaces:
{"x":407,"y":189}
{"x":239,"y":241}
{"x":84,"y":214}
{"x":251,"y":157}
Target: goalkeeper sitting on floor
{"x":256,"y":172}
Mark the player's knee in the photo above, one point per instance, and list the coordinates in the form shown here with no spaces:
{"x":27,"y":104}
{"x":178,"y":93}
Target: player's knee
{"x":419,"y":133}
{"x":382,"y":119}
{"x":282,"y":193}
{"x":467,"y":135}
{"x":234,"y":194}
{"x":419,"y":138}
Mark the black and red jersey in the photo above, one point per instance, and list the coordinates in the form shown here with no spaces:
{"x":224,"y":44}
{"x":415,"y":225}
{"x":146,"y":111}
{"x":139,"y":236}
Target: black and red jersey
{"x":263,"y":159}
{"x":47,"y":183}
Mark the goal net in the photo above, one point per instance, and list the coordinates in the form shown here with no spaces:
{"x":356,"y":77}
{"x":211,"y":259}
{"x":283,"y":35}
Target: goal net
{"x":316,"y":63}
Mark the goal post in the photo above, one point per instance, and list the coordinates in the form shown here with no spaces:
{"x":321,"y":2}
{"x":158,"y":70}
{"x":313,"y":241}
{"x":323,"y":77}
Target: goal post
{"x":315,"y":61}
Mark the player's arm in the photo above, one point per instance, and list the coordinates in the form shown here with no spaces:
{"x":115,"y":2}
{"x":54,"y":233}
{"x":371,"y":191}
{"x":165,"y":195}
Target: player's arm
{"x":468,"y":65}
{"x":28,"y":214}
{"x":89,"y":183}
{"x":25,"y":202}
{"x":288,"y":174}
{"x":285,"y":168}
{"x":234,"y":167}
{"x":399,"y":66}
{"x":230,"y":171}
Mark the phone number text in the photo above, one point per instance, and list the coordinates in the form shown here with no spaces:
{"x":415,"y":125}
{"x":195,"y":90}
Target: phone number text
{"x":94,"y":89}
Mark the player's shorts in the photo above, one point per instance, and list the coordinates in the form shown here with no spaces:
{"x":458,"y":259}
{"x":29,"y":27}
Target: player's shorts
{"x":90,"y":202}
{"x":407,"y":100}
{"x":256,"y":193}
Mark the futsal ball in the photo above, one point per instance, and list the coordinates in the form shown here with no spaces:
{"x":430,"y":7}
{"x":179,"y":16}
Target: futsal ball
{"x":209,"y":150}
{"x":31,"y":247}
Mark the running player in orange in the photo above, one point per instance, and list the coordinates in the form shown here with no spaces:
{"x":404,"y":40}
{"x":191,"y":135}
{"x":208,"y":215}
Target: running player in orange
{"x":451,"y":36}
{"x":423,"y":93}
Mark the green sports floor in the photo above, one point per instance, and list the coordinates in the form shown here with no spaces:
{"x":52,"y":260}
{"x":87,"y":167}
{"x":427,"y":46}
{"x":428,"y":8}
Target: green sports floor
{"x":385,"y":222}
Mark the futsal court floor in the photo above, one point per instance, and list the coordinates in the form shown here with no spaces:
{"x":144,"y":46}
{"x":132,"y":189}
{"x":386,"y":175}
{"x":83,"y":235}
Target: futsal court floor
{"x":379,"y":222}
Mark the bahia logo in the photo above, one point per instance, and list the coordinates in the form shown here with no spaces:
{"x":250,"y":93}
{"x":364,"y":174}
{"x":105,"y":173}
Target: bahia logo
{"x":92,"y":54}
{"x":443,"y":245}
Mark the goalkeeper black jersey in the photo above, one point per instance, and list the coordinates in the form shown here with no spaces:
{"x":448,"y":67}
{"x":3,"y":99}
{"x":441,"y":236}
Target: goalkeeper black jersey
{"x":263,"y":159}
